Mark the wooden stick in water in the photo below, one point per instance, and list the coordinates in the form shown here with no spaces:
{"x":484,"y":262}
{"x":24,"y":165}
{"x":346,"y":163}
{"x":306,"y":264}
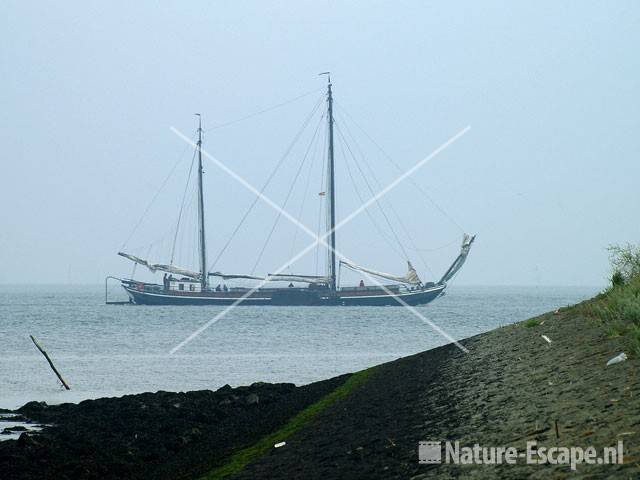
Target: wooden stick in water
{"x":55,"y":370}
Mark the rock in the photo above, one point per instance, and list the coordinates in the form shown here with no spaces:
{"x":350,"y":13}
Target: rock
{"x":251,"y":399}
{"x":17,"y":428}
{"x":27,"y":441}
{"x":33,"y":406}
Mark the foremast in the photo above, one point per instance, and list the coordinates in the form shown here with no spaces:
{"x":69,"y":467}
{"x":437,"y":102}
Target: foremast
{"x":204,"y":277}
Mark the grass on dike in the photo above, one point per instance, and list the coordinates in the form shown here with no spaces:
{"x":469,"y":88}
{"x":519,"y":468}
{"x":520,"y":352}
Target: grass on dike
{"x":618,"y":310}
{"x":245,"y":456}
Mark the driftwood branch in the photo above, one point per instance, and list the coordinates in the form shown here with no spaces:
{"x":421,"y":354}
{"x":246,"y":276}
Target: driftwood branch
{"x":53,"y":367}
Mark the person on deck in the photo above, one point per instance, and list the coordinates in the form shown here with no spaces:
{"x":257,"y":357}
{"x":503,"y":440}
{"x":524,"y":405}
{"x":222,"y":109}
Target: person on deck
{"x":361,"y":283}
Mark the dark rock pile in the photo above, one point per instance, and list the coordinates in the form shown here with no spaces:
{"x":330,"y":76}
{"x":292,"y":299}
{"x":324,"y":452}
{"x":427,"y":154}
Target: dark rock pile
{"x":151,"y":435}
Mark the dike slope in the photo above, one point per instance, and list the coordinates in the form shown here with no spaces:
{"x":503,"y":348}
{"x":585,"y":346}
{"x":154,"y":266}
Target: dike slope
{"x":512,"y":387}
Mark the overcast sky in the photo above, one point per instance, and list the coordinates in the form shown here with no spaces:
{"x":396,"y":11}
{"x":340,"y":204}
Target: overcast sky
{"x":547,"y":176}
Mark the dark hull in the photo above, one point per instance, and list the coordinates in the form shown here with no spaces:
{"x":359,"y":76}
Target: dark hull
{"x":284,"y":297}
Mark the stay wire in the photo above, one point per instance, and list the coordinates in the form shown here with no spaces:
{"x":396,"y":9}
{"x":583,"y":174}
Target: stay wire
{"x":267,"y":182}
{"x":146,"y":210}
{"x":362,"y":200}
{"x":373,"y":194}
{"x":306,"y":191}
{"x":413,"y":182}
{"x":393,"y":210}
{"x":291,"y":187}
{"x":184,"y":197}
{"x":260,"y":112}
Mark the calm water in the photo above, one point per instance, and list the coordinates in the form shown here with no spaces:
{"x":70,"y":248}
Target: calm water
{"x":107,"y":350}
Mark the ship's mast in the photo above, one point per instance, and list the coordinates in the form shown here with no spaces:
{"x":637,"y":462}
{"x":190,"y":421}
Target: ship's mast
{"x":332,"y":194}
{"x":204,"y":281}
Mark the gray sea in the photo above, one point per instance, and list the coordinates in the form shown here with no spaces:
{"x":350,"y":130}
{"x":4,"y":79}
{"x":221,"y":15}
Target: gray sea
{"x":111,"y":350}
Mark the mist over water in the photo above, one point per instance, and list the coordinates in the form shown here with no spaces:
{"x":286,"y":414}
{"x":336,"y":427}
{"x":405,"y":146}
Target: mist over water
{"x":110,"y":350}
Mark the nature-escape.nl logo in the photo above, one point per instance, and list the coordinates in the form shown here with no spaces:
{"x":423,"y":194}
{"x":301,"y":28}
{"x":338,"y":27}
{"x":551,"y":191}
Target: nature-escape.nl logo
{"x":431,"y":452}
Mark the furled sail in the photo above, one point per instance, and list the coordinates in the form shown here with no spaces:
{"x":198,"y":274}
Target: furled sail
{"x":467,"y":240}
{"x":275,"y":277}
{"x":281,"y":277}
{"x":411,"y":277}
{"x":154,"y":267}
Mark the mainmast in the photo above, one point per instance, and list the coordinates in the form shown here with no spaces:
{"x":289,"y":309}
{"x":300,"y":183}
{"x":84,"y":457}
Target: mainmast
{"x":204,"y":280}
{"x":331,"y":268}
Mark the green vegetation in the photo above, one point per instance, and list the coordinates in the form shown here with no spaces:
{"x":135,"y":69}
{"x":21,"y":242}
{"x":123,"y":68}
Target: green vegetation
{"x":618,"y":308}
{"x":532,"y":322}
{"x":625,"y":262}
{"x":243,"y":457}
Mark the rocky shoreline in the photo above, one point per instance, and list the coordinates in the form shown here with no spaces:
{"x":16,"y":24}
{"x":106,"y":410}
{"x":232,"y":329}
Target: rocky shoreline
{"x":159,"y":435}
{"x":545,"y":379}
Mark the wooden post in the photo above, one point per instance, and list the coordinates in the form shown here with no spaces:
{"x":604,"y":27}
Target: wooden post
{"x":50,"y":362}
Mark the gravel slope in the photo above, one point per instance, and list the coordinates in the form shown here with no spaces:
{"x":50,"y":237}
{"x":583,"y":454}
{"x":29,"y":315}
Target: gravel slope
{"x":510,"y":388}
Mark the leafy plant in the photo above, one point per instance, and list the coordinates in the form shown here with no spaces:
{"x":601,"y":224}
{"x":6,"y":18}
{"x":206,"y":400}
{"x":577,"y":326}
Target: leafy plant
{"x":625,"y":261}
{"x":618,"y":308}
{"x":617,"y":279}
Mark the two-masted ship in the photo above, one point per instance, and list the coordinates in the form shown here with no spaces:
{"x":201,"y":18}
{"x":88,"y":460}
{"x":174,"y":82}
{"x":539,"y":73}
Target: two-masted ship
{"x":182,"y":286}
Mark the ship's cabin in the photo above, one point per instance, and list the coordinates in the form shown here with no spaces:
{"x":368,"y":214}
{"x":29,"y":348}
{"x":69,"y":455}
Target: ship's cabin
{"x":184,"y":285}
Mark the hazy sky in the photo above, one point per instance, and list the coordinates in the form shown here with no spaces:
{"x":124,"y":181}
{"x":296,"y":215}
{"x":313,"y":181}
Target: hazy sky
{"x":547,"y":177}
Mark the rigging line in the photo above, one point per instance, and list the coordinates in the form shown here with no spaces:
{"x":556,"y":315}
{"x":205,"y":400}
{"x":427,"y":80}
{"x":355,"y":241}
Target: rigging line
{"x":357,"y":190}
{"x":413,"y":182}
{"x":158,"y":241}
{"x":146,"y":210}
{"x":184,"y":197}
{"x":179,"y":241}
{"x":313,"y":145}
{"x":187,"y":236}
{"x":189,"y":239}
{"x":266,"y":184}
{"x":293,"y":183}
{"x":373,"y":194}
{"x":393,"y":210}
{"x":436,"y":248}
{"x":268,"y":109}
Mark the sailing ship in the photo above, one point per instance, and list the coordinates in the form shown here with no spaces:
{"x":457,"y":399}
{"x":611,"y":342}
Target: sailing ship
{"x":183,"y":286}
